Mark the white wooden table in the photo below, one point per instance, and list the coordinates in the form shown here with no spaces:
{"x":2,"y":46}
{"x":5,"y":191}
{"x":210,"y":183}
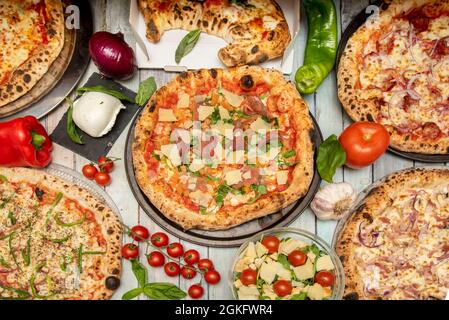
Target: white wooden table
{"x":112,"y":15}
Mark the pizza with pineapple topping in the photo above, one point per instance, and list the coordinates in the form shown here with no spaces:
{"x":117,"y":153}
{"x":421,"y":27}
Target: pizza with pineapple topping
{"x":256,"y":30}
{"x":216,"y":148}
{"x":395,"y":245}
{"x":395,"y":71}
{"x":57,"y":240}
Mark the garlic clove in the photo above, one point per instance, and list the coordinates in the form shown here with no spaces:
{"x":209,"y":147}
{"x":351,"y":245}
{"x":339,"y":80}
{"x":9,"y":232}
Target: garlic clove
{"x":333,"y":201}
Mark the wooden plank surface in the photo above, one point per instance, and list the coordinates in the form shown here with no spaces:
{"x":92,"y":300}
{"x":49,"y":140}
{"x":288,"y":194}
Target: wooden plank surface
{"x":112,"y":15}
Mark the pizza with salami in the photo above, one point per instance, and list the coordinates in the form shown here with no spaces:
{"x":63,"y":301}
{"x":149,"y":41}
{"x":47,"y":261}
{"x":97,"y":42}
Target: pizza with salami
{"x":395,"y":71}
{"x":216,"y":148}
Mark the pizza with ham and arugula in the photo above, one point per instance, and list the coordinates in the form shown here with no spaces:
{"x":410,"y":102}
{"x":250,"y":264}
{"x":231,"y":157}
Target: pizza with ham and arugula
{"x":395,"y":71}
{"x":216,"y":148}
{"x":57,"y":240}
{"x":256,"y":30}
{"x":396,"y":243}
{"x":31,"y":38}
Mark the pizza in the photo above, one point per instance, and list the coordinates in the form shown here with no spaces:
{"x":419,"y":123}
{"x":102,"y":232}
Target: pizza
{"x":256,"y":30}
{"x":396,"y":243}
{"x":395,"y":71}
{"x":31,"y":38}
{"x":216,"y":148}
{"x":57,"y":240}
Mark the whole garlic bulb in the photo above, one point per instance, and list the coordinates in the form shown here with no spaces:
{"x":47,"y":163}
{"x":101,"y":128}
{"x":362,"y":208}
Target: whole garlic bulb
{"x":333,"y":200}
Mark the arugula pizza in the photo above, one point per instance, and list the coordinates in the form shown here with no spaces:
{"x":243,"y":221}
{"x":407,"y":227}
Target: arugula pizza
{"x":395,"y":71}
{"x":216,"y":148}
{"x":256,"y":30}
{"x":57,"y":240}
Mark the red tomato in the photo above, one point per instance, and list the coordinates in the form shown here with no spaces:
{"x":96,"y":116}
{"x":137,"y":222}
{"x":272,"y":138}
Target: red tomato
{"x":188,"y":273}
{"x":159,"y":239}
{"x":139,"y":233}
{"x":282,"y":288}
{"x":156,"y":259}
{"x":248,"y":277}
{"x":324,"y":278}
{"x":196,"y":291}
{"x":89,"y":171}
{"x":105,"y":164}
{"x":205,"y":265}
{"x":103,"y":178}
{"x":171,"y":269}
{"x":175,"y":250}
{"x":212,"y":277}
{"x":191,"y":257}
{"x":130,"y":251}
{"x":364,"y":143}
{"x":297,"y":258}
{"x":271,"y":243}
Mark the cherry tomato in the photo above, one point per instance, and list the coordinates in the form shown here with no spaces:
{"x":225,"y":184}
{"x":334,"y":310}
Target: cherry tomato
{"x":248,"y":277}
{"x":212,"y":277}
{"x":175,"y":250}
{"x":282,"y":288}
{"x":156,"y":259}
{"x":191,"y":257}
{"x":364,"y":142}
{"x":102,"y":178}
{"x":188,"y":273}
{"x":89,"y":171}
{"x":271,"y":243}
{"x":196,"y":291}
{"x":105,"y":164}
{"x":297,"y":258}
{"x":130,"y":251}
{"x":324,"y":278}
{"x":172,"y":269}
{"x":159,"y":239}
{"x":140,"y":233}
{"x":205,"y":265}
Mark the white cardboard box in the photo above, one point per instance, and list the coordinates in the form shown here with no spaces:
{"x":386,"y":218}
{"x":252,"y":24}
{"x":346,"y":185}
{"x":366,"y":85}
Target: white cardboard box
{"x":162,"y":55}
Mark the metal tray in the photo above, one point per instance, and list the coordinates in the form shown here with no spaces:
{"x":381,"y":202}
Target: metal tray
{"x":55,"y":93}
{"x":358,"y":21}
{"x":235,"y":236}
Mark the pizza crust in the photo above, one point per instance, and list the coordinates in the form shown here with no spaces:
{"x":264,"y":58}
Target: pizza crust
{"x":302,"y":174}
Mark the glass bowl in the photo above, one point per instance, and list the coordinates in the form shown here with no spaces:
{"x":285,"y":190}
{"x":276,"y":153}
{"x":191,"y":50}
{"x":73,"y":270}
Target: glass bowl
{"x":305,"y":236}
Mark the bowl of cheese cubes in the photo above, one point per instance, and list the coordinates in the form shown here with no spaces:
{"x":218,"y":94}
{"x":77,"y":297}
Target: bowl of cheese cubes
{"x":287,"y":264}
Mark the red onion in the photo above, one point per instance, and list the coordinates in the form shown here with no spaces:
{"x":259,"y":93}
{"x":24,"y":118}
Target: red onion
{"x":112,"y":55}
{"x":374,"y":235}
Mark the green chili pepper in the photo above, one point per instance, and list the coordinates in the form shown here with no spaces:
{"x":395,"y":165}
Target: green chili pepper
{"x":62,"y":240}
{"x":59,"y":222}
{"x":65,"y":261}
{"x":82,"y":253}
{"x":3,"y":178}
{"x":4,"y":263}
{"x":53,"y":206}
{"x":26,"y":253}
{"x":6,"y":201}
{"x":22,"y":295}
{"x":11,"y":250}
{"x":322,"y":44}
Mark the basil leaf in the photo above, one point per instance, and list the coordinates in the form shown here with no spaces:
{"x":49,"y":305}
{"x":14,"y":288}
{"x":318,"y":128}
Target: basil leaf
{"x":163,"y":291}
{"x":71,"y":127}
{"x":140,"y":272}
{"x":187,"y":44}
{"x":131,"y":294}
{"x":330,"y":157}
{"x":117,"y":94}
{"x":146,"y":90}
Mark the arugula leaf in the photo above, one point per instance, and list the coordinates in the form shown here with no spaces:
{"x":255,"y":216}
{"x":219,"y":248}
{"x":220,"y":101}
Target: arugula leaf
{"x":299,"y":296}
{"x":242,"y":3}
{"x":222,"y":192}
{"x":215,"y":116}
{"x":282,"y":259}
{"x":289,"y":154}
{"x":131,"y":294}
{"x":330,"y":157}
{"x":203,"y":210}
{"x":117,"y":94}
{"x":140,"y":272}
{"x":187,"y":44}
{"x":163,"y":291}
{"x":146,"y":90}
{"x":260,"y":191}
{"x":71,"y":127}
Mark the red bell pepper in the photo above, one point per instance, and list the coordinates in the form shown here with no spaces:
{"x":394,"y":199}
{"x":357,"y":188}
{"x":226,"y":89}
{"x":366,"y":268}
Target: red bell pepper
{"x":24,"y":143}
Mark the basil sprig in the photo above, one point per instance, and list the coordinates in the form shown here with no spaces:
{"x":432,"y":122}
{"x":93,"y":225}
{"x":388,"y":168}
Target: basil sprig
{"x":187,"y":44}
{"x":117,"y":94}
{"x":71,"y":127}
{"x":331,"y":156}
{"x":146,"y":90}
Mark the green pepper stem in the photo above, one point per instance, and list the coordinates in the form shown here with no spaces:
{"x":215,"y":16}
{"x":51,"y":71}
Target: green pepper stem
{"x":37,"y":140}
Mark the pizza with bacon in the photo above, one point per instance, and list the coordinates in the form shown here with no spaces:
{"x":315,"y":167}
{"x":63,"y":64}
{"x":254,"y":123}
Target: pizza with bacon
{"x":216,"y":148}
{"x":256,"y":30}
{"x":31,"y":38}
{"x":57,"y":240}
{"x":396,"y":243}
{"x":395,"y":71}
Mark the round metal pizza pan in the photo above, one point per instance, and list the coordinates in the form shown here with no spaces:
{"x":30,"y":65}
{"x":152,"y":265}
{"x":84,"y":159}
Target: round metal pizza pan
{"x":358,"y":21}
{"x":49,"y":94}
{"x":232,"y":237}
